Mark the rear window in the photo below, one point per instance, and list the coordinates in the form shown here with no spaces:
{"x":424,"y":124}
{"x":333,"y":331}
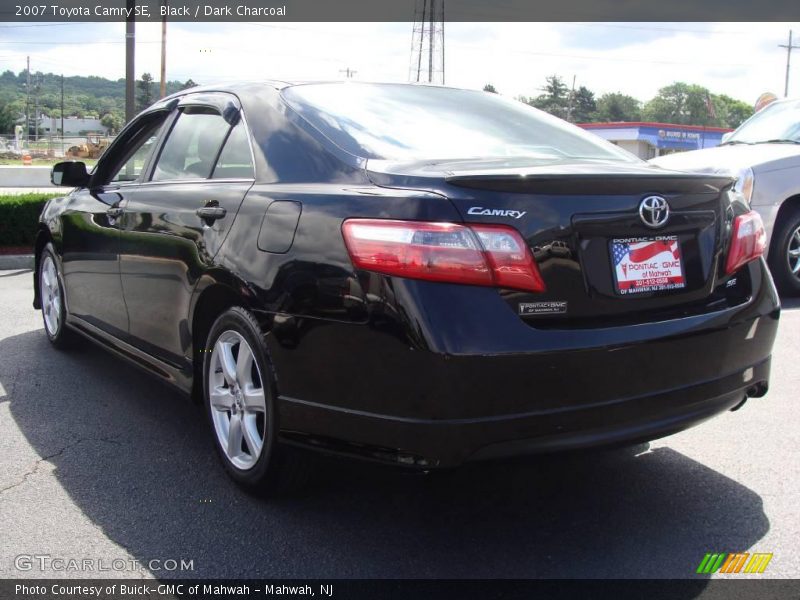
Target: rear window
{"x":404,"y":122}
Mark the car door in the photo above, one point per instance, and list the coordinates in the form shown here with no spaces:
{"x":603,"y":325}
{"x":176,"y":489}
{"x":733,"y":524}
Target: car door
{"x":174,"y":223}
{"x":90,"y":250}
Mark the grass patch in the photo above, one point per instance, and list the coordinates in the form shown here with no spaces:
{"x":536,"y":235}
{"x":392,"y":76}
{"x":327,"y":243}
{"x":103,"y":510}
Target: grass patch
{"x":19,"y":215}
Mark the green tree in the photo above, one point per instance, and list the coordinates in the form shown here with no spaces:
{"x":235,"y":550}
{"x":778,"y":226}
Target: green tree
{"x":113,"y":121}
{"x":731,"y":112}
{"x":617,"y":106}
{"x":144,"y":97}
{"x":584,"y":106}
{"x":10,"y":113}
{"x":189,"y":84}
{"x":489,"y":88}
{"x":683,"y":104}
{"x":555,"y":98}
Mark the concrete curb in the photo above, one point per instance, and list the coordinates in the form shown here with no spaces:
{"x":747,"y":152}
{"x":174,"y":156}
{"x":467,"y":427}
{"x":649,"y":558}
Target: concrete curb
{"x":16,"y":261}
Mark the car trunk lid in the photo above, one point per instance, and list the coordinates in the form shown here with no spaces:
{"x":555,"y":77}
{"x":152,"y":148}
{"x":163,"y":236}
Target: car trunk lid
{"x":585,"y":225}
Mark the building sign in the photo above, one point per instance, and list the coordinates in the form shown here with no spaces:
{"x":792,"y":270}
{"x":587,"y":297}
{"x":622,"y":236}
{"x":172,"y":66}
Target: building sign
{"x":678,"y":136}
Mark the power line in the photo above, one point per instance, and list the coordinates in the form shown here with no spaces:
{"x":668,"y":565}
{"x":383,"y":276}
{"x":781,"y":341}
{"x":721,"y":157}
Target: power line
{"x":614,"y":58}
{"x":83,"y":43}
{"x":670,"y":29}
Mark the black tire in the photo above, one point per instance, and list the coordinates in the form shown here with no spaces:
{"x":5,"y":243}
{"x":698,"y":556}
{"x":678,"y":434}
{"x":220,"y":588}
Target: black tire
{"x":270,"y":470}
{"x":53,"y":317}
{"x":783,"y":238}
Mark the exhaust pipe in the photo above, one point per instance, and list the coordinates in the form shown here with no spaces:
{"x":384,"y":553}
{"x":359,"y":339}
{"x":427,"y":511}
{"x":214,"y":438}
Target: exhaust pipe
{"x":756,"y":391}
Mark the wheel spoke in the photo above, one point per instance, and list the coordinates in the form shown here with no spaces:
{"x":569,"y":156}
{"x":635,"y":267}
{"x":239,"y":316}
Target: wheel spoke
{"x":244,"y":364}
{"x":221,"y":398}
{"x":797,"y":235}
{"x":52,"y":281}
{"x":228,"y":363}
{"x":251,"y":437}
{"x":254,"y":399}
{"x":795,"y":252}
{"x":235,"y":436}
{"x":796,"y":268}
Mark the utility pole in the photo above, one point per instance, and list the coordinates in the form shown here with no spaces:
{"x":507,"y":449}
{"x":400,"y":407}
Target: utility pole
{"x":348,"y":72}
{"x":37,"y":86}
{"x":62,"y":114}
{"x":571,"y":100}
{"x":28,"y":103}
{"x":130,"y":71}
{"x":789,"y":48}
{"x":163,"y":90}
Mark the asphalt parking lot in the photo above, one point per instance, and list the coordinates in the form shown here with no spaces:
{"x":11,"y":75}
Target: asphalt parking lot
{"x":98,"y":461}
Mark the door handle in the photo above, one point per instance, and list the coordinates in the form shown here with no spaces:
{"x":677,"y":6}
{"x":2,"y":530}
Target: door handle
{"x":114,"y":212}
{"x":211,"y":213}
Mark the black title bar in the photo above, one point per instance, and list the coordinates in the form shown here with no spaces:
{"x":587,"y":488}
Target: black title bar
{"x":420,"y":589}
{"x":397,"y":10}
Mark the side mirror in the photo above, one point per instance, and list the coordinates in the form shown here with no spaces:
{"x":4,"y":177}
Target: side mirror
{"x":72,"y":174}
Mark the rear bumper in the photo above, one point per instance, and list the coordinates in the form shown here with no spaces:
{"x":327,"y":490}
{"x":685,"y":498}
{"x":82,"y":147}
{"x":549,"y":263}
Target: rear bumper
{"x":450,"y":442}
{"x":438,"y":401}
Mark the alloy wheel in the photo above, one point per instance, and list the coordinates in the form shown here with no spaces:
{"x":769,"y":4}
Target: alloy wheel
{"x":237,"y":398}
{"x":793,"y":253}
{"x":50,"y":291}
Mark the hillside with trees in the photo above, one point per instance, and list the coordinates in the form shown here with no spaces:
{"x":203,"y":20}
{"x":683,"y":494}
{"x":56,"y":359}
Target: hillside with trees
{"x":679,"y":103}
{"x":84,"y":97}
{"x":104,"y":99}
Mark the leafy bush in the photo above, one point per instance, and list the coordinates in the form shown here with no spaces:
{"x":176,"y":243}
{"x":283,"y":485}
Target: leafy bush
{"x":19,"y":215}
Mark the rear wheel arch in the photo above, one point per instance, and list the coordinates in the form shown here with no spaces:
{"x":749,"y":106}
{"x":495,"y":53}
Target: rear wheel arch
{"x":786,"y":221}
{"x":211,"y":302}
{"x":788,"y":207}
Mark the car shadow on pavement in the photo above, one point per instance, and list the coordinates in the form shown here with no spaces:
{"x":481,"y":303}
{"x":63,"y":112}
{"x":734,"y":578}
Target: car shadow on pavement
{"x":15,"y":272}
{"x":136,"y":459}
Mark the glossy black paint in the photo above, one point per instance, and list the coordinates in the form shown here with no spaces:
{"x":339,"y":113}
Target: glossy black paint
{"x":416,"y":372}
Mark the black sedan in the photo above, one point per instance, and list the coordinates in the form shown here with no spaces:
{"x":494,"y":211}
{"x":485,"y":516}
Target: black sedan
{"x":410,"y":274}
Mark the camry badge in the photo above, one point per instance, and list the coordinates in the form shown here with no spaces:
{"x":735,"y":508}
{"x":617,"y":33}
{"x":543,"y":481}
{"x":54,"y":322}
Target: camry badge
{"x":654,"y":211}
{"x":496,"y":212}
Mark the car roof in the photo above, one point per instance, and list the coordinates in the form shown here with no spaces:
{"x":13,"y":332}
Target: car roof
{"x":250,"y":85}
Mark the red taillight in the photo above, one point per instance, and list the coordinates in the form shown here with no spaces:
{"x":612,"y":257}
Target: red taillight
{"x":490,"y":255}
{"x":748,"y":241}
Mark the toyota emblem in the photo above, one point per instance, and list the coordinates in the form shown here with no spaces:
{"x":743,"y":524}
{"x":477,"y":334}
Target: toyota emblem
{"x":654,"y":211}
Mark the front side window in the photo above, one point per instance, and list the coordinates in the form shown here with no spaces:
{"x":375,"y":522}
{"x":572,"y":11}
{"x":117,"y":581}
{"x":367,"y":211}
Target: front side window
{"x":132,"y":167}
{"x":192,"y":145}
{"x":125,"y":160}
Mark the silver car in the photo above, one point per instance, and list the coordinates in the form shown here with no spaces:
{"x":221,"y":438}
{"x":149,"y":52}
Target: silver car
{"x":765,"y":154}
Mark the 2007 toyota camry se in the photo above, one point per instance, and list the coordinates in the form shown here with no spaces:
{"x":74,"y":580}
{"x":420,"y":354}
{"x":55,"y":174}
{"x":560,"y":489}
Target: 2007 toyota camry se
{"x":412,"y":274}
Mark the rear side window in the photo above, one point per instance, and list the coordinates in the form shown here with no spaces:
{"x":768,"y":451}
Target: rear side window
{"x":192,"y":146}
{"x":235,"y":161}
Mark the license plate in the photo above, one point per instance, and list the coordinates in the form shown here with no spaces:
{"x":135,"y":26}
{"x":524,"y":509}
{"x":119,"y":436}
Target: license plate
{"x":647,"y":264}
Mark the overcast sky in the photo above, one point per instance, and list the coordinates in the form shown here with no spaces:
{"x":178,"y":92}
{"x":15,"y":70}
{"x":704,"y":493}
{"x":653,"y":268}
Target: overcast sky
{"x":739,"y":59}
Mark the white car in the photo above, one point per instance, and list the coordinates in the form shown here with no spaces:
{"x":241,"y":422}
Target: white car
{"x":764,"y":152}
